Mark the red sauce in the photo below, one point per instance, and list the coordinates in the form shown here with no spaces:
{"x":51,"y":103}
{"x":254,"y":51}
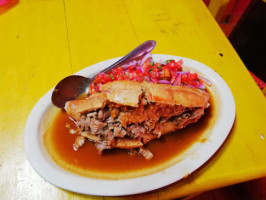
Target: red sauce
{"x":117,"y":160}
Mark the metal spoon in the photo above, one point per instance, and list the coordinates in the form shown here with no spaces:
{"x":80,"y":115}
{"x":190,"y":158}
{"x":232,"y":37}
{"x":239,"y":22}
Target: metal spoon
{"x":74,"y":86}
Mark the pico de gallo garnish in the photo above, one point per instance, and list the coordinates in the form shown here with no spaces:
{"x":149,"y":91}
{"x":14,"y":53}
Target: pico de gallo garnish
{"x":167,"y":72}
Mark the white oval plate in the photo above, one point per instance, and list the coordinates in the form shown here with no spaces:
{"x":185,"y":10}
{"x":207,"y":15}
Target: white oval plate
{"x":50,"y":171}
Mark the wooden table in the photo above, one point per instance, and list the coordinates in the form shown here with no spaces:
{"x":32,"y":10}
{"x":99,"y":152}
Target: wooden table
{"x":43,"y":41}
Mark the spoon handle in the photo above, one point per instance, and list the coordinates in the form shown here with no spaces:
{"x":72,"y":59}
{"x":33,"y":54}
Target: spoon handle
{"x":139,"y":51}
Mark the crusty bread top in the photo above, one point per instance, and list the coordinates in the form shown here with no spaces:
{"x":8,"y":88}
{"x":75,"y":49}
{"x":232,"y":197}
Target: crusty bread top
{"x":75,"y":108}
{"x":123,"y":92}
{"x":128,"y":93}
{"x":176,"y":95}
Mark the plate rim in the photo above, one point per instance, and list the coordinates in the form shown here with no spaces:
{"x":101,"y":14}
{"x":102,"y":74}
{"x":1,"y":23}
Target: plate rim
{"x":92,"y":186}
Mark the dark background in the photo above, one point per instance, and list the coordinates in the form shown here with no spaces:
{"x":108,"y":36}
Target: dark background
{"x":249,"y":38}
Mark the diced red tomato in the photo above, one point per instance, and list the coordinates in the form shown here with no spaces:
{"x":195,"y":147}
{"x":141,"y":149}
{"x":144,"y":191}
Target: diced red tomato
{"x":175,"y":65}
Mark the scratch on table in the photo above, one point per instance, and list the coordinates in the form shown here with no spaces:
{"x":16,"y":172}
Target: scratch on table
{"x":68,"y":43}
{"x":162,"y":19}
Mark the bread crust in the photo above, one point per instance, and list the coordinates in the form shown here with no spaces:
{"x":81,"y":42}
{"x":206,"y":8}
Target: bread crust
{"x":121,"y":143}
{"x":128,"y":93}
{"x":76,"y":108}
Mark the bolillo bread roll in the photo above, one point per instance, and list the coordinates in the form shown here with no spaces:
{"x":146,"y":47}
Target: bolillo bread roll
{"x":128,"y":114}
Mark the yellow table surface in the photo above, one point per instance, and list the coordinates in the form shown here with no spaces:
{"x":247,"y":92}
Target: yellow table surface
{"x":43,"y":41}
